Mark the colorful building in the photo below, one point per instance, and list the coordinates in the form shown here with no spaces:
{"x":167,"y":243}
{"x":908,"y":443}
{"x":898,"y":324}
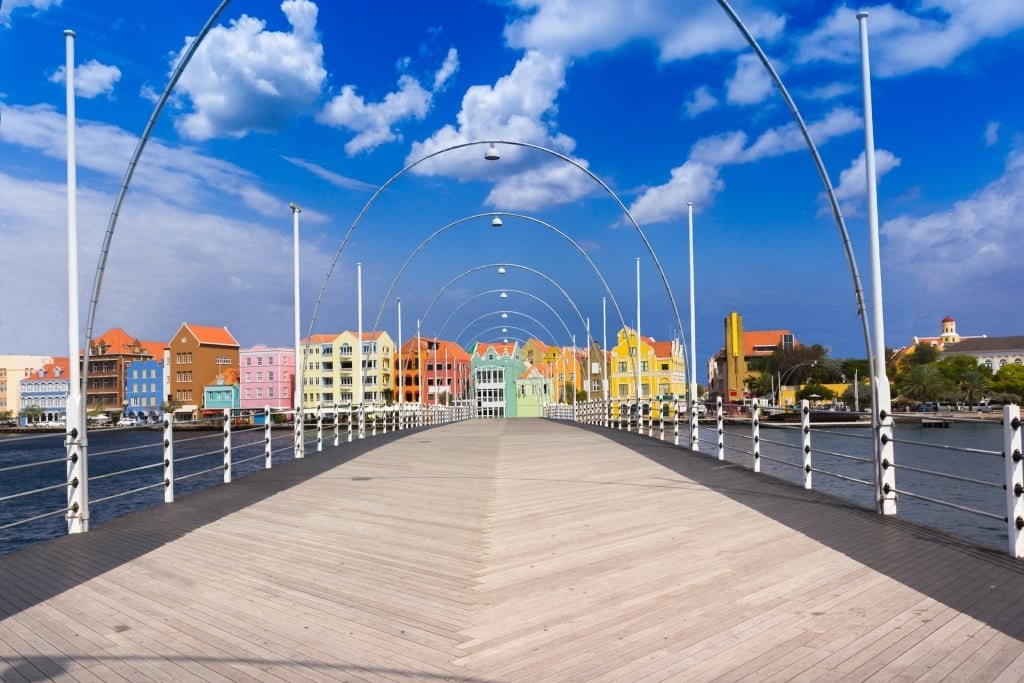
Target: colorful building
{"x":13,"y":369}
{"x":44,"y":395}
{"x":145,"y":390}
{"x":198,"y":355}
{"x":109,"y":356}
{"x":534,"y":390}
{"x":728,"y":369}
{"x":266,"y":378}
{"x":495,"y":368}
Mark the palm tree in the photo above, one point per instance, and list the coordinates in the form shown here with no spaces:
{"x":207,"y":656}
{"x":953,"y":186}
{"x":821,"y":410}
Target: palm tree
{"x":923,"y":383}
{"x":973,"y":383}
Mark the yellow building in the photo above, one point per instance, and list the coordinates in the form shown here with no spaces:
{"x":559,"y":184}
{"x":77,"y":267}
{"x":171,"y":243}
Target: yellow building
{"x":330,"y":373}
{"x":662,"y":367}
{"x":564,"y":366}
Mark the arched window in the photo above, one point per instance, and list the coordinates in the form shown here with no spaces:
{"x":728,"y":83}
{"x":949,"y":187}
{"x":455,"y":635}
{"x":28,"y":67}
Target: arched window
{"x":988,"y":364}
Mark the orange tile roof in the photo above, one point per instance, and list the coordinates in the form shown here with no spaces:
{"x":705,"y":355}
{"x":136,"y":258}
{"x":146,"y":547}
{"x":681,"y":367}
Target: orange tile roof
{"x":662,"y":349}
{"x":752,"y":338}
{"x":120,"y":342}
{"x":319,"y":338}
{"x":219,"y":336}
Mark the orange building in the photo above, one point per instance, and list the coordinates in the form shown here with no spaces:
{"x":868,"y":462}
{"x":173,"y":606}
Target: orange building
{"x":107,"y":374}
{"x":198,"y":356}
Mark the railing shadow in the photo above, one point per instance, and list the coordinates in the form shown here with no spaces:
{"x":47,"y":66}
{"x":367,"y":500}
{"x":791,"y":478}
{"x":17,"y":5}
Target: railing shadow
{"x":976,"y":580}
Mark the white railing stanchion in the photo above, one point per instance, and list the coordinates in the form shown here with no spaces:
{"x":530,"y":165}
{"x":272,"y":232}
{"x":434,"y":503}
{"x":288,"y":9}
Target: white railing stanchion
{"x":755,"y":426}
{"x":268,"y":438}
{"x":337,"y":425}
{"x":227,"y":445}
{"x":319,"y":427}
{"x":169,"y":457}
{"x":694,"y":427}
{"x":720,"y":419}
{"x":805,"y":430}
{"x":1013,"y":455}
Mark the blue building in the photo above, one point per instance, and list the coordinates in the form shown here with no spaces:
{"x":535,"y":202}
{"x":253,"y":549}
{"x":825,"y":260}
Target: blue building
{"x":144,"y":390}
{"x":44,"y":395}
{"x":221,"y":396}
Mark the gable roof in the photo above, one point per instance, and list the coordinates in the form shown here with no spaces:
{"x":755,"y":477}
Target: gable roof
{"x":215,"y":336}
{"x":982,"y":344}
{"x":761,"y":338}
{"x":118,"y":341}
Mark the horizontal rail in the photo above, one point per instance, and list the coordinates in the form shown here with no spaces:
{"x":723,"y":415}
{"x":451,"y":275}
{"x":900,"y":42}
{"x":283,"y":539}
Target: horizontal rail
{"x":119,"y":451}
{"x":844,"y":456}
{"x":954,"y":506}
{"x":846,"y":434}
{"x":945,"y":447}
{"x":205,"y":454}
{"x":781,"y":443}
{"x":159,"y":484}
{"x":844,"y":477}
{"x":111,"y":475}
{"x":259,"y":456}
{"x":14,"y":468}
{"x":11,"y":525}
{"x":219,"y":468}
{"x":24,"y":494}
{"x":946,"y":475}
{"x":797,"y":465}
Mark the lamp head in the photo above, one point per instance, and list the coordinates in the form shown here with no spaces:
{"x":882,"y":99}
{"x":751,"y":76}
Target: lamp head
{"x":492,"y":153}
{"x":503,"y":295}
{"x":501,"y":270}
{"x":496,"y":222}
{"x":294,"y":207}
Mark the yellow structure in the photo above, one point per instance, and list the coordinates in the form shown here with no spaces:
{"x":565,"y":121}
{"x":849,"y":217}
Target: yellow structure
{"x":330,"y":374}
{"x":662,"y":367}
{"x":564,"y":366}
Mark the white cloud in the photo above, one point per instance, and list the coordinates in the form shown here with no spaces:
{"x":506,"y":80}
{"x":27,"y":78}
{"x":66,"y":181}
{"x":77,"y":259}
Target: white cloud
{"x":244,"y":78}
{"x":831,"y":91}
{"x":902,"y":42}
{"x":698,"y":179}
{"x":852,"y":189}
{"x":447,"y":70}
{"x":7,"y":7}
{"x":575,"y":28}
{"x":178,"y":176}
{"x":750,"y":84}
{"x":971,"y":243}
{"x":91,"y":78}
{"x":701,"y":101}
{"x":330,"y":176}
{"x":548,"y":184}
{"x":373,"y":122}
{"x":991,"y":133}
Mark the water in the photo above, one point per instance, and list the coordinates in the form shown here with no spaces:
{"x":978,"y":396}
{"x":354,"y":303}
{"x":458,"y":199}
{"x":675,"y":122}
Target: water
{"x":112,"y":451}
{"x":856,"y":441}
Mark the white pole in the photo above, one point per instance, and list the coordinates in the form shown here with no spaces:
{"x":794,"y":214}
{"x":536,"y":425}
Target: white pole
{"x":75,"y":439}
{"x":299,"y":446}
{"x":604,"y":345}
{"x":401,"y":365}
{"x":589,"y":367}
{"x":419,"y":363}
{"x":359,"y":349}
{"x":882,"y":404}
{"x":694,"y":434}
{"x":636,"y":359}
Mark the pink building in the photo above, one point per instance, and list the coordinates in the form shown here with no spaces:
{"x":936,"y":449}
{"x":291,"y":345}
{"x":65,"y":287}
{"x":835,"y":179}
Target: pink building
{"x":266,"y":377}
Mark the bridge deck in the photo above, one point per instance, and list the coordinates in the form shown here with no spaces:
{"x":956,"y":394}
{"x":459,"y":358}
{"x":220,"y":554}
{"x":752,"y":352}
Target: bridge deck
{"x":515,"y":550}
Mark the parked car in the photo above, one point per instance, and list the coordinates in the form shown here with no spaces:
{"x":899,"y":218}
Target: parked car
{"x":127,"y":422}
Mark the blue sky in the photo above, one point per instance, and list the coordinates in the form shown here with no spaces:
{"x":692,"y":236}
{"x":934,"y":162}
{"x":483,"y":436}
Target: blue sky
{"x":320,"y":103}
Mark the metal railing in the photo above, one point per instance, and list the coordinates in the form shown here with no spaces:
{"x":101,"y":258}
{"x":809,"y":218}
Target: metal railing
{"x":975,"y":483}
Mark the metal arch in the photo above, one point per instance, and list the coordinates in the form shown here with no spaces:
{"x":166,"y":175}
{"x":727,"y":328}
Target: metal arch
{"x":492,"y":141}
{"x":101,"y":267}
{"x":529,"y":333}
{"x":475,"y":269}
{"x":496,"y":291}
{"x":449,"y":226}
{"x":487,"y":315}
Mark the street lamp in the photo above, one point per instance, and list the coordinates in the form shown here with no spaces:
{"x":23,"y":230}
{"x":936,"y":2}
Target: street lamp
{"x":298,"y":445}
{"x":496,"y":222}
{"x":492,"y":153}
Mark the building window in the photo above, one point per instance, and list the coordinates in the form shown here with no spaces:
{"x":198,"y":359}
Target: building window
{"x":643,"y":366}
{"x":248,"y":360}
{"x":622,"y":366}
{"x":259,"y":360}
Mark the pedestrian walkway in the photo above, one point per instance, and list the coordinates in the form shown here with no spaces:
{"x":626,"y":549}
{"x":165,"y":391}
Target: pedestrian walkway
{"x":509,"y":550}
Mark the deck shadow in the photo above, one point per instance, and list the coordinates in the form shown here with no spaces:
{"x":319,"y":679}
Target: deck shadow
{"x":976,"y":580}
{"x":43,"y":570}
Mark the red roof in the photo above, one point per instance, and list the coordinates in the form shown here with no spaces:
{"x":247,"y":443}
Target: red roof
{"x":217,"y":336}
{"x":117,"y":342}
{"x":948,"y":319}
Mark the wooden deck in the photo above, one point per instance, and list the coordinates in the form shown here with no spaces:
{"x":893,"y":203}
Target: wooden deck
{"x":515,"y":550}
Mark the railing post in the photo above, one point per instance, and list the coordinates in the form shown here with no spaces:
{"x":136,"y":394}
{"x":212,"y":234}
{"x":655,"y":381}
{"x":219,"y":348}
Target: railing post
{"x":337,"y":426}
{"x":350,"y":408}
{"x":373,"y":429}
{"x":661,"y":421}
{"x":319,"y":427}
{"x":1012,"y":455}
{"x":268,"y":438}
{"x":227,"y":445}
{"x":169,"y":457}
{"x":805,"y":430}
{"x":361,"y":416}
{"x":300,"y":427}
{"x":755,"y":425}
{"x":720,"y":419}
{"x":694,"y":427}
{"x":675,"y":422}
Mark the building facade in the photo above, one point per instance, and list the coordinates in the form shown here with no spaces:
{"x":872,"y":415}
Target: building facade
{"x":13,"y":369}
{"x":266,"y":377}
{"x":533,"y":391}
{"x":627,"y":355}
{"x":728,"y":369}
{"x":44,"y":395}
{"x":992,"y":353}
{"x":222,"y":395}
{"x":107,"y":375}
{"x":198,"y":355}
{"x":495,"y":368}
{"x":145,"y":390}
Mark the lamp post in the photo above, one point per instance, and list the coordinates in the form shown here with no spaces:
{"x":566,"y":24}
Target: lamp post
{"x":692,"y":398}
{"x":299,"y":447}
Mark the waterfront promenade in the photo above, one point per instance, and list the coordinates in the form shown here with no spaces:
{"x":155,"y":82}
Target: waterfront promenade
{"x":509,"y":550}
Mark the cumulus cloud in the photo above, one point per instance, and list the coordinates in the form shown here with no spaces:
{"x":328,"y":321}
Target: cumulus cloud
{"x":575,"y":28}
{"x":973,"y":241}
{"x":831,"y":91}
{"x":750,"y":84}
{"x":91,"y":78}
{"x":700,"y":101}
{"x":244,"y":78}
{"x":852,"y":189}
{"x":183,"y":177}
{"x":330,"y":176}
{"x":698,"y":179}
{"x":7,"y":7}
{"x":903,"y":42}
{"x":991,"y":133}
{"x":373,"y":122}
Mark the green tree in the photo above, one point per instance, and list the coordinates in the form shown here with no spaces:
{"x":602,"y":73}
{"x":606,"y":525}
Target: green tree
{"x":923,"y":383}
{"x":817,"y":391}
{"x":6,"y":415}
{"x":761,"y":384}
{"x":973,"y":384}
{"x":1010,"y":380}
{"x":32,"y":414}
{"x":923,"y":354}
{"x":863,"y":397}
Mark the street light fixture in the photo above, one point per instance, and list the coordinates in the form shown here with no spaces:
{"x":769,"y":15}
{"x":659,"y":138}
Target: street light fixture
{"x":496,"y":222}
{"x":492,"y":153}
{"x":503,"y":295}
{"x":501,"y":270}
